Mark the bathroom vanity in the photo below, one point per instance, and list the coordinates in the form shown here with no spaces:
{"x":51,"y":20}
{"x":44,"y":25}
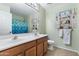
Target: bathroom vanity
{"x":27,"y":47}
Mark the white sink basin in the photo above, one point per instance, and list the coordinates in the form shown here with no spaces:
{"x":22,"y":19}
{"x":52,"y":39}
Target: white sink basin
{"x":9,"y":40}
{"x":4,"y":41}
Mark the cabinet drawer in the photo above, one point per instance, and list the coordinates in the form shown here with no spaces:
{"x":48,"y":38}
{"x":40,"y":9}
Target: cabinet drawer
{"x":39,"y":40}
{"x":29,"y":45}
{"x":12,"y":51}
{"x":42,"y":39}
{"x":45,"y":38}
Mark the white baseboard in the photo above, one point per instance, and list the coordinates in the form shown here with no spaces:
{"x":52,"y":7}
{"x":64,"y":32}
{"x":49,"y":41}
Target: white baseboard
{"x":68,"y":49}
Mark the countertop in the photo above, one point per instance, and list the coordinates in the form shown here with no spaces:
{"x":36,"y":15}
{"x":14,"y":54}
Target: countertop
{"x":22,"y":38}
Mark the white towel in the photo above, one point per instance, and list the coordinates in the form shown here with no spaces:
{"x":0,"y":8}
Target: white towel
{"x":66,"y":37}
{"x":60,"y":33}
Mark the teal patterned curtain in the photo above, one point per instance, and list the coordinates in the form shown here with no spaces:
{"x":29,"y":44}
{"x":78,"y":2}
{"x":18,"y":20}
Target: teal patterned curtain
{"x":19,"y":24}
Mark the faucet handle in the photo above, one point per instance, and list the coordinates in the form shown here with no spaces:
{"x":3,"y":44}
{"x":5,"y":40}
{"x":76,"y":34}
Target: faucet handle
{"x":15,"y":37}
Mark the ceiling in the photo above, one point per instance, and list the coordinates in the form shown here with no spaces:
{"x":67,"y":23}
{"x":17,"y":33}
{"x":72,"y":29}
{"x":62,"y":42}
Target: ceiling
{"x":48,"y":5}
{"x":53,"y":5}
{"x":20,"y":8}
{"x":23,"y":9}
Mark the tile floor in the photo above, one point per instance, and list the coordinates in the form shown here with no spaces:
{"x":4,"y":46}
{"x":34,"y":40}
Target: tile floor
{"x":61,"y":52}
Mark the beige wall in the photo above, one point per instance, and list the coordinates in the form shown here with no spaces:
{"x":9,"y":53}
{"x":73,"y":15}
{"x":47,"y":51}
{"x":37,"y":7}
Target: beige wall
{"x":42,"y":22}
{"x":51,"y":26}
{"x":4,"y":8}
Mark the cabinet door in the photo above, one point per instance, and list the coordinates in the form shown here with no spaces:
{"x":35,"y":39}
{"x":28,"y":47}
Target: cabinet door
{"x":40,"y":49}
{"x":45,"y":46}
{"x":31,"y":52}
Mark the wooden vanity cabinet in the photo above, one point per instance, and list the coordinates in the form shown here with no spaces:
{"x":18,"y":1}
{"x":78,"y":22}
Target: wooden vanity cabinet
{"x":21,"y":54}
{"x":45,"y":47}
{"x":18,"y":50}
{"x":31,"y":52}
{"x":12,"y":51}
{"x":30,"y":48}
{"x":40,"y":49}
{"x":42,"y":46}
{"x":33,"y":48}
{"x":29,"y":45}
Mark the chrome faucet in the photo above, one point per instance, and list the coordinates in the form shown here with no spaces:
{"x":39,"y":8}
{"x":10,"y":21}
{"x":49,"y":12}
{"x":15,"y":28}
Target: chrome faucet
{"x":15,"y":37}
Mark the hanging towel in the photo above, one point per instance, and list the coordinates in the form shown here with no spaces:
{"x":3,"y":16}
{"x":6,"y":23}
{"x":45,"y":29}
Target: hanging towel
{"x":60,"y":33}
{"x":67,"y":36}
